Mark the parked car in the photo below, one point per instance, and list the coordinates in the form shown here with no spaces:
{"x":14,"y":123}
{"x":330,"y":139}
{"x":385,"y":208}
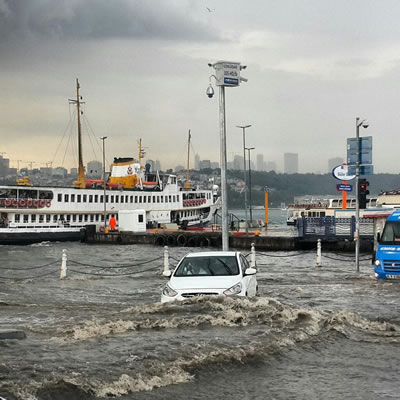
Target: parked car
{"x":216,"y":273}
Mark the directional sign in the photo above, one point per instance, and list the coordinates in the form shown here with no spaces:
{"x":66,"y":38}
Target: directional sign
{"x":365,"y":150}
{"x":364,"y":169}
{"x":344,"y":188}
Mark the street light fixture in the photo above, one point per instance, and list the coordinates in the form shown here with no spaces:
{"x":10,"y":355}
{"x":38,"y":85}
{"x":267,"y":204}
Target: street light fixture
{"x":227,"y":73}
{"x":244,"y":127}
{"x":364,"y":123}
{"x":104,"y":181}
{"x":251,"y":214}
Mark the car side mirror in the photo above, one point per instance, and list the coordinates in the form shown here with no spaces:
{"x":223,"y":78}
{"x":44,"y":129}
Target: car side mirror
{"x":250,"y":271}
{"x":167,"y":273}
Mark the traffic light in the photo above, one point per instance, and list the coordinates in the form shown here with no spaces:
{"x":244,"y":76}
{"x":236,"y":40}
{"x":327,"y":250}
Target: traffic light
{"x":362,"y":193}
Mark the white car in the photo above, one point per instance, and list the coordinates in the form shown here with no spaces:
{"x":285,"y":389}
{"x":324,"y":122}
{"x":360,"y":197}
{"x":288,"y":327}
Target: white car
{"x":213,"y":273}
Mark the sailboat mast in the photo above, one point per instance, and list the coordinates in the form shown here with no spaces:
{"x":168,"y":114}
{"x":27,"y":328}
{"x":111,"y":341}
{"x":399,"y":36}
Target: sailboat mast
{"x":187,"y":184}
{"x":80,"y":183}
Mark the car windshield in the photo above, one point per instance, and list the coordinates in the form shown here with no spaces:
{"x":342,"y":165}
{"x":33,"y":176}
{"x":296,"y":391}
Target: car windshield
{"x":391,"y":233}
{"x":208,"y":266}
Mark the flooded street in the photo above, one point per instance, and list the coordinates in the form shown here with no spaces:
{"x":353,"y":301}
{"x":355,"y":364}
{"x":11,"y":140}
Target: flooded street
{"x":312,"y":333}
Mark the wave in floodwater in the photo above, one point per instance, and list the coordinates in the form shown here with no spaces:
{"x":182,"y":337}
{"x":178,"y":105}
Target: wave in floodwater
{"x":156,"y":345}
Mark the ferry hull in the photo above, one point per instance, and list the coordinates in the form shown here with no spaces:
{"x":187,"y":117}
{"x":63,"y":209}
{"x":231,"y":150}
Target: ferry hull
{"x":11,"y":237}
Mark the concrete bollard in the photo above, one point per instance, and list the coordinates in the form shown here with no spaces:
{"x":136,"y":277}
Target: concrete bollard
{"x":253,"y":256}
{"x":166,"y":271}
{"x":319,"y":262}
{"x":63,"y":271}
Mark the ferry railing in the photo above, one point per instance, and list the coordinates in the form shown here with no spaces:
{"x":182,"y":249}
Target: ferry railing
{"x":331,"y":227}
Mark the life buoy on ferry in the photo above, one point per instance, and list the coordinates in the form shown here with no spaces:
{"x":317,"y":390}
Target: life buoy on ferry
{"x":29,"y":203}
{"x":42,"y":203}
{"x":22,"y":203}
{"x":14,"y":203}
{"x":36,"y":203}
{"x":48,"y":203}
{"x":7,"y":202}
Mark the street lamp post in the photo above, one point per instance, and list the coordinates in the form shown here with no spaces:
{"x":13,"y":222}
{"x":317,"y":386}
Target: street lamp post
{"x":227,"y":73}
{"x":104,"y":181}
{"x":244,"y":174}
{"x":251,"y":212}
{"x":364,"y":124}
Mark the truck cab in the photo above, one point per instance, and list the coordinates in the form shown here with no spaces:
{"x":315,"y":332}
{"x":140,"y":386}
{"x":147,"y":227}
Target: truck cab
{"x":387,"y":258}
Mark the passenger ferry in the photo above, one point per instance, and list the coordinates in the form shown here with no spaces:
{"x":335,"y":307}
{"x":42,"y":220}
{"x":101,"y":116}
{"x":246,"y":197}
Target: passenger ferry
{"x":31,"y":214}
{"x":315,"y":208}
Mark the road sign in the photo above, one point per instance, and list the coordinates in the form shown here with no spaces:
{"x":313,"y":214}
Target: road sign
{"x":227,"y":73}
{"x":344,"y":188}
{"x":364,"y":169}
{"x":341,"y":172}
{"x":365,"y":150}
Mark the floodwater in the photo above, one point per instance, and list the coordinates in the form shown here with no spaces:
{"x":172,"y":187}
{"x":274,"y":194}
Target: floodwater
{"x":313,"y":333}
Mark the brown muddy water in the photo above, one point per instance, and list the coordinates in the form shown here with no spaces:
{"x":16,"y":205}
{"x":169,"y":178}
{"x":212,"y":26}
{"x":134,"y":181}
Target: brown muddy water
{"x":313,"y":333}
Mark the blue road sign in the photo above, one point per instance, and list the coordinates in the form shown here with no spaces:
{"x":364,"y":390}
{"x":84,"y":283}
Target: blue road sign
{"x":364,"y":169}
{"x":344,"y":188}
{"x":365,"y":150}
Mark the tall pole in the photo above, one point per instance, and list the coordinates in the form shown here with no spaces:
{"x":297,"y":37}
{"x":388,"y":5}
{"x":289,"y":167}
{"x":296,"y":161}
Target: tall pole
{"x":357,"y":234}
{"x":224,"y":197}
{"x":251,"y":212}
{"x":187,"y":184}
{"x":104,"y":180}
{"x":244,"y":174}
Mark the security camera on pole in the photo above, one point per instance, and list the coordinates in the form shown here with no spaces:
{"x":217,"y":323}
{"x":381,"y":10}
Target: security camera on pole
{"x":227,"y":73}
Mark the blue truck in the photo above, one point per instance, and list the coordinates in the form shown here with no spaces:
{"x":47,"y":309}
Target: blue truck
{"x":387,"y":256}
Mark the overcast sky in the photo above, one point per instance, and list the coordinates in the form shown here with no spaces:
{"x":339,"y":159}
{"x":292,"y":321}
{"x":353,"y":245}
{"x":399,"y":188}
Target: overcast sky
{"x":313,"y":66}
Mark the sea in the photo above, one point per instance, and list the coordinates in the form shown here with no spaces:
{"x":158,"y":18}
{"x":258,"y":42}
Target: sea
{"x":313,"y":333}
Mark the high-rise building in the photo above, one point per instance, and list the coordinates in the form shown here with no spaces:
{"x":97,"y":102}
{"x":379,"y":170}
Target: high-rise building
{"x":214,"y":164}
{"x":290,"y":163}
{"x":260,"y":162}
{"x":205,"y":164}
{"x":94,"y":169}
{"x":237,"y":162}
{"x":196,"y":161}
{"x":4,"y":166}
{"x":334,"y":162}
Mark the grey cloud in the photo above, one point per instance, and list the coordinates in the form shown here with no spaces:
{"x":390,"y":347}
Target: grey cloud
{"x":101,"y":19}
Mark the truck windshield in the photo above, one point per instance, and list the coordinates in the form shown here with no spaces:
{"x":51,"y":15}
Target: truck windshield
{"x":391,"y":233}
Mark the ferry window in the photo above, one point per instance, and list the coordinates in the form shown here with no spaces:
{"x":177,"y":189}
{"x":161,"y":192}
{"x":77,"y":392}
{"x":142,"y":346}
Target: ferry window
{"x":86,"y":217}
{"x":112,"y":199}
{"x":48,"y":217}
{"x":59,"y":197}
{"x":66,"y":198}
{"x":116,"y":199}
{"x":177,"y":197}
{"x":90,"y":198}
{"x":80,"y":217}
{"x":107,"y":198}
{"x":41,"y":218}
{"x":144,"y":199}
{"x":33,"y":218}
{"x":140,"y":218}
{"x":91,"y":217}
{"x":101,"y":199}
{"x":43,"y":194}
{"x":72,"y":198}
{"x":140,"y":199}
{"x":149,"y":199}
{"x":74,"y":218}
{"x":55,"y":218}
{"x":170,"y":198}
{"x":135,"y":199}
{"x":16,"y":218}
{"x":161,"y":197}
{"x":96,"y":198}
{"x":131,"y":199}
{"x":84,"y":198}
{"x":154,"y":199}
{"x":126,"y":199}
{"x":97,"y":217}
{"x":78,"y":198}
{"x":68,"y":218}
{"x":122,"y":199}
{"x":26,"y":217}
{"x":185,"y":197}
{"x":27,"y":194}
{"x":8,"y":193}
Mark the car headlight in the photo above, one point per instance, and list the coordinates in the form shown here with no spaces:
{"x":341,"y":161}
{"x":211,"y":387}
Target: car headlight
{"x":233,"y":290}
{"x":168,"y":291}
{"x":377,"y":263}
